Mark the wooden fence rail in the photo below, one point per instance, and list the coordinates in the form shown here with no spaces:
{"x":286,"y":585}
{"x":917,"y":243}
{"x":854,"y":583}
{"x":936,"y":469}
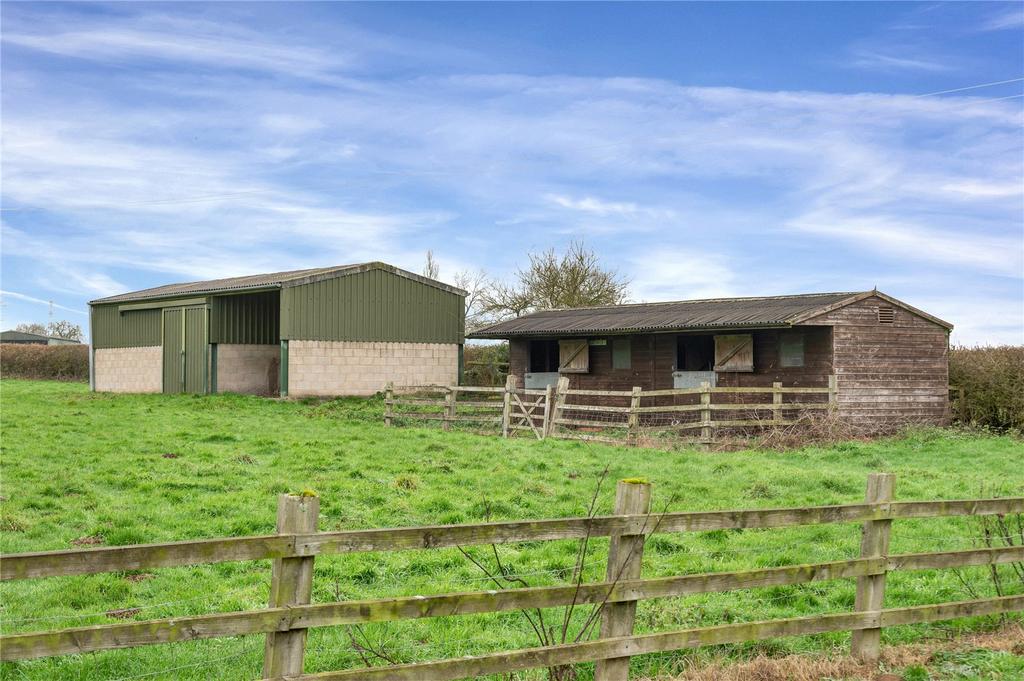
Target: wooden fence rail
{"x":294,"y":548}
{"x":558,"y":412}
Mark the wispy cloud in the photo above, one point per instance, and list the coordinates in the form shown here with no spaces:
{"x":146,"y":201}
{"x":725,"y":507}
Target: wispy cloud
{"x":891,"y":62}
{"x":1012,"y":18}
{"x":678,"y":274}
{"x":900,"y":240}
{"x":287,"y":156}
{"x":176,"y":40}
{"x":591,"y":205}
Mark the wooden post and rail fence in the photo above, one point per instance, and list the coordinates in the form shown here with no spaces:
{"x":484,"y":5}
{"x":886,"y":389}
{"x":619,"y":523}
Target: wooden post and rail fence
{"x":296,"y":545}
{"x":557,"y":411}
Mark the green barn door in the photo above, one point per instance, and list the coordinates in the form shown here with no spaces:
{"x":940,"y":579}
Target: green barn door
{"x":174,"y":350}
{"x":195,"y":349}
{"x":185,"y":350}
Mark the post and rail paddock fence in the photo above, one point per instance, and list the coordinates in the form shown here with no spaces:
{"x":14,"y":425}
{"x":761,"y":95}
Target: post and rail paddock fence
{"x":611,"y":416}
{"x":297,"y":543}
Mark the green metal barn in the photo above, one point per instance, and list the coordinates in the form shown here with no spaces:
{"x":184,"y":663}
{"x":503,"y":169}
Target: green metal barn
{"x":345,"y":330}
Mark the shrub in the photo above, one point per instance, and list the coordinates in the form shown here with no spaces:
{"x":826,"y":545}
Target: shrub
{"x":988,"y":386}
{"x":47,"y":362}
{"x":484,"y":364}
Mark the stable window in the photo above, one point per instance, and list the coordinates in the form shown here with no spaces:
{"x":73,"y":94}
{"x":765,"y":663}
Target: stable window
{"x":695,"y":353}
{"x":622,"y":353}
{"x":543,"y":356}
{"x":791,"y":350}
{"x":734,"y":352}
{"x":574,"y":356}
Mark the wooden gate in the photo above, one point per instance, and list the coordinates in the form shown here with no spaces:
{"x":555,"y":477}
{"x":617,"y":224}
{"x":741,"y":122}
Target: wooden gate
{"x":186,"y":351}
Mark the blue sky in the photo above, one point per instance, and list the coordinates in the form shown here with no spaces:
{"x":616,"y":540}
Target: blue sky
{"x":701,"y":149}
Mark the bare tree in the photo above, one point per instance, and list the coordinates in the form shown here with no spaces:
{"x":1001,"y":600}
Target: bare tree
{"x":475,"y":284}
{"x":573,"y":279}
{"x":431,"y":269}
{"x":34,"y":327}
{"x":65,"y":329}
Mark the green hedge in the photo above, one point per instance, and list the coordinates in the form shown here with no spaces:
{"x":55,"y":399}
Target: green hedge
{"x":988,"y":385}
{"x":485,"y":365}
{"x":47,"y":362}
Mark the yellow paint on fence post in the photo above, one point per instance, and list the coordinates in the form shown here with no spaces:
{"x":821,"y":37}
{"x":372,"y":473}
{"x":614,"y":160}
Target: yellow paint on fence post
{"x":625,"y":556}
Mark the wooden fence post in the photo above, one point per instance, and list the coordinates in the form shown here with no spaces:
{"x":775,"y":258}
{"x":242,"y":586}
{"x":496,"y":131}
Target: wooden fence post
{"x":389,"y":396}
{"x":705,"y":413}
{"x":291,"y":583}
{"x":633,"y":433}
{"x":776,"y":403}
{"x":625,"y":556}
{"x":874,"y":543}
{"x":560,"y":394}
{"x":449,"y":409}
{"x":833,"y":392}
{"x":548,"y":407}
{"x":506,"y":407}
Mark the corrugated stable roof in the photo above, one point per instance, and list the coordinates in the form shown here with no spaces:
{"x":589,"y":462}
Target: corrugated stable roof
{"x":263,"y":281}
{"x":677,"y":315}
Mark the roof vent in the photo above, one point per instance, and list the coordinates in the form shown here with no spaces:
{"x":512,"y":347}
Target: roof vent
{"x":886,"y":315}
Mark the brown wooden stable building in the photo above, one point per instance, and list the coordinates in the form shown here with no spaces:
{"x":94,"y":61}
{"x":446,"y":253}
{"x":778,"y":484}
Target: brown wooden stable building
{"x":889,"y":359}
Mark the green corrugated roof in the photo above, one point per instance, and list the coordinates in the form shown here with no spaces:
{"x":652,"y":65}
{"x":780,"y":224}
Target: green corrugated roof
{"x":263,"y":281}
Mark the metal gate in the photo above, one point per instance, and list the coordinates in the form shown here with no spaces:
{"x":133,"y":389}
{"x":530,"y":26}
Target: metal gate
{"x":186,"y":355}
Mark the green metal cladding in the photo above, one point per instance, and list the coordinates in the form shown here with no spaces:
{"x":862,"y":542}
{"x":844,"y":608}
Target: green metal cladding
{"x":376,"y":305}
{"x":113,"y":329}
{"x":250,"y":319}
{"x":371,"y":305}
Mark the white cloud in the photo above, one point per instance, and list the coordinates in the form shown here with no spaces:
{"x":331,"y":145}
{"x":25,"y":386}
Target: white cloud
{"x":899,"y":241}
{"x":290,"y":124}
{"x":1010,"y":19}
{"x":986,"y":190}
{"x":979,"y":318}
{"x":594,"y":206}
{"x":177,"y":40}
{"x":724,"y":190}
{"x":675,"y":274}
{"x":890,"y":62}
{"x":589,"y":204}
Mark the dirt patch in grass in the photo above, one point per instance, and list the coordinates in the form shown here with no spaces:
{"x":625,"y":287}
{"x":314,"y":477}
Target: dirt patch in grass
{"x":139,"y":576}
{"x":920,"y":660}
{"x":89,"y":540}
{"x":124,"y":614}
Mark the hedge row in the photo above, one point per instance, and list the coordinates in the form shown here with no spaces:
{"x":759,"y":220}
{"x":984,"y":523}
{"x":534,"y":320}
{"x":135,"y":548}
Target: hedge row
{"x":988,"y":386}
{"x":47,"y":362}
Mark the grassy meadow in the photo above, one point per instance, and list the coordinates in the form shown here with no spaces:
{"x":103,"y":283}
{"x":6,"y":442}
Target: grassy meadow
{"x":81,"y":469}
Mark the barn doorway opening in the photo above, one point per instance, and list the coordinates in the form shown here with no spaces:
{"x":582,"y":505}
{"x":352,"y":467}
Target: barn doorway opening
{"x":695,"y":361}
{"x":543,"y":362}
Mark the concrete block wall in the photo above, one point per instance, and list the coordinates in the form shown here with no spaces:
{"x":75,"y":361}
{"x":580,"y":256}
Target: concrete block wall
{"x":249,"y":369}
{"x":129,"y":370}
{"x":325,"y":368}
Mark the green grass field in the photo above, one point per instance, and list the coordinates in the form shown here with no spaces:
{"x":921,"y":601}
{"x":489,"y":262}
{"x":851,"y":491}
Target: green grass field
{"x":81,"y":468}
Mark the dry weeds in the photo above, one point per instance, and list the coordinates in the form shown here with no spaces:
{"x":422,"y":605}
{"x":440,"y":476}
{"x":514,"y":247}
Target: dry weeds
{"x":816,"y":668}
